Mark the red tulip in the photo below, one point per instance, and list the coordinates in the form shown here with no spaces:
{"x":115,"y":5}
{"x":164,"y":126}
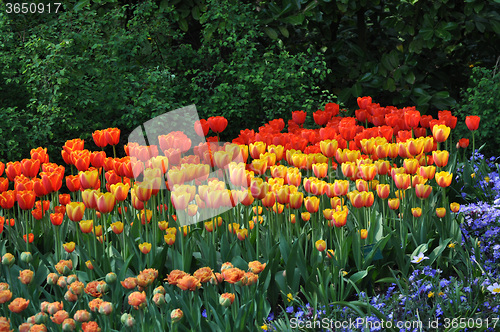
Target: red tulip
{"x":201,"y":127}
{"x":472,"y":122}
{"x":299,"y":117}
{"x":364,"y":102}
{"x":217,"y":123}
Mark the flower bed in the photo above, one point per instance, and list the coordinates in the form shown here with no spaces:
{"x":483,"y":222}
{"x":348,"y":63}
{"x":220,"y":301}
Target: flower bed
{"x":353,"y":218}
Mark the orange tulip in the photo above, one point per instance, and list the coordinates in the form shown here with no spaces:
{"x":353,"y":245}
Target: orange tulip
{"x":18,"y":304}
{"x":73,"y":182}
{"x":454,"y":207}
{"x":368,"y":171}
{"x":39,"y":154}
{"x":69,"y":247}
{"x":4,"y":184}
{"x":320,"y":170}
{"x":145,"y":247}
{"x":258,"y":188}
{"x":180,"y":199}
{"x":26,"y":276}
{"x":137,"y":300}
{"x":105,"y":202}
{"x":349,"y":169}
{"x":97,"y":158}
{"x":30,"y":167}
{"x":410,"y":166}
{"x":340,"y":187}
{"x":189,"y":282}
{"x":56,"y":218}
{"x":363,"y":234}
{"x":293,"y":177}
{"x":25,"y":199}
{"x":112,"y":136}
{"x":362,"y":185}
{"x":423,"y":191}
{"x":99,"y":138}
{"x":12,"y":170}
{"x":340,"y":217}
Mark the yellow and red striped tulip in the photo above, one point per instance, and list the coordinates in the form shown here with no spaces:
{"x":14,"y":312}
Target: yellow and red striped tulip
{"x":441,"y":133}
{"x":320,"y":245}
{"x":440,"y":158}
{"x":312,"y":204}
{"x":255,"y":149}
{"x":329,"y":147}
{"x":427,"y":172}
{"x":383,"y":190}
{"x":368,"y":171}
{"x":75,"y":211}
{"x":393,"y":203}
{"x":441,"y":212}
{"x":89,"y":179}
{"x":423,"y":190}
{"x":320,"y":170}
{"x":402,"y":181}
{"x":416,"y":212}
{"x":105,"y":202}
{"x":443,"y":179}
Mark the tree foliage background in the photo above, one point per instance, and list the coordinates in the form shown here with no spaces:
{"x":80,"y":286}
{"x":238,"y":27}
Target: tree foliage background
{"x":97,"y":64}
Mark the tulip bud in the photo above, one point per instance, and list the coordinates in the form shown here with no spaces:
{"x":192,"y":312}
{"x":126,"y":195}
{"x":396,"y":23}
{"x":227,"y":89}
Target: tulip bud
{"x":26,"y":257}
{"x":69,"y":325}
{"x":8,"y":259}
{"x":176,"y":315}
{"x":41,"y":318}
{"x":159,"y":299}
{"x":226,"y":299}
{"x":111,"y":277}
{"x":128,"y":320}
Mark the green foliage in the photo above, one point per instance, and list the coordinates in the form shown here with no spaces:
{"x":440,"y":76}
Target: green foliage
{"x":481,"y":98}
{"x":399,"y":51}
{"x":119,"y":66}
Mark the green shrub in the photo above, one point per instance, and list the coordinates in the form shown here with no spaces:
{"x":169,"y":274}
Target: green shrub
{"x":92,"y":69}
{"x":482,"y":99}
